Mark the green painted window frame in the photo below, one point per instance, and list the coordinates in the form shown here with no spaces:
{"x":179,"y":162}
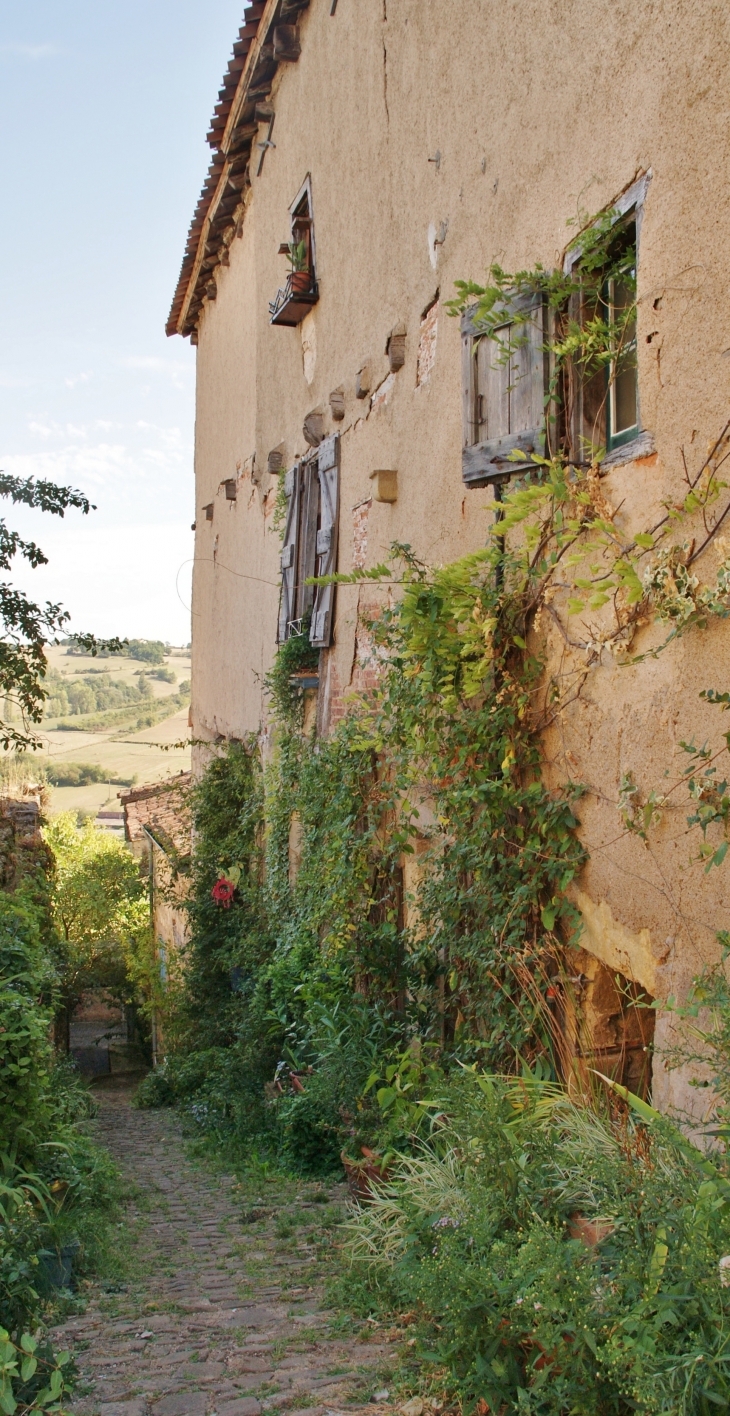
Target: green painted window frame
{"x":626,"y":435}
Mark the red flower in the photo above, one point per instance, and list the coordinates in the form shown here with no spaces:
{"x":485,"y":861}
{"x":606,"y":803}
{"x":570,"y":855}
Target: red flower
{"x":223,"y":892}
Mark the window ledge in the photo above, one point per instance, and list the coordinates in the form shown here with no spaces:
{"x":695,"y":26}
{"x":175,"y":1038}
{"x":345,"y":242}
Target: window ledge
{"x":290,"y":306}
{"x":641,"y":446}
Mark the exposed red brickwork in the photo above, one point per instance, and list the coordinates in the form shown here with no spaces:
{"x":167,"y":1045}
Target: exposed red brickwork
{"x":427,"y":343}
{"x":360,"y":516}
{"x":366,"y":670}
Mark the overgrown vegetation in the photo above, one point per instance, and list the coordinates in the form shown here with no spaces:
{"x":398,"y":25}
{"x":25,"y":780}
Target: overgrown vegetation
{"x":58,"y":1190}
{"x":101,"y":915}
{"x":562,"y":1255}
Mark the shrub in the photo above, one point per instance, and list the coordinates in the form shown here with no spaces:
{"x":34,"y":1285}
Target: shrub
{"x":55,"y":1183}
{"x":149,"y":651}
{"x":562,"y":1258}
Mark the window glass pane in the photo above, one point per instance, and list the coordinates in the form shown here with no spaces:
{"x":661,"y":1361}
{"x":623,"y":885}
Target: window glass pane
{"x":624,"y":400}
{"x":623,"y":372}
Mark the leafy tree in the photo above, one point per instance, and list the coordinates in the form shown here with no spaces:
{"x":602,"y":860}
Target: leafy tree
{"x":26,"y":627}
{"x":100,"y":909}
{"x":148,"y":651}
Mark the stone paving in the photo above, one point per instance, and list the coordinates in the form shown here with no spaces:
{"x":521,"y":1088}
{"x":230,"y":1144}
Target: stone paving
{"x":223,"y":1312}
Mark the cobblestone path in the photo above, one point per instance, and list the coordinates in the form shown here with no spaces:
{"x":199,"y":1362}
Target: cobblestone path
{"x":223,"y":1309}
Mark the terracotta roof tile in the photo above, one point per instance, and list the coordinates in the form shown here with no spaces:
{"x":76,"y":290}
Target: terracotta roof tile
{"x":239,"y":74}
{"x":164,"y":809}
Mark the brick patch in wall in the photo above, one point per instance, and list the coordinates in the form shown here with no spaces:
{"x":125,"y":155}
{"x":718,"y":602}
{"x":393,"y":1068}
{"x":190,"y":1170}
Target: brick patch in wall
{"x":382,"y":393}
{"x":367,"y":664}
{"x":360,"y":514}
{"x":427,"y":343}
{"x":367,"y":667}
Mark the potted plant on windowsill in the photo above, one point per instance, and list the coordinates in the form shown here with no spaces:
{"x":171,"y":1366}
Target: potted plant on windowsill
{"x":300,"y":276}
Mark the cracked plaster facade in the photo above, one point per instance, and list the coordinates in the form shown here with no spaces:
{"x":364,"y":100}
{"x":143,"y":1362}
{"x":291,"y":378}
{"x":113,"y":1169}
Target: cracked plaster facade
{"x":437,"y":139}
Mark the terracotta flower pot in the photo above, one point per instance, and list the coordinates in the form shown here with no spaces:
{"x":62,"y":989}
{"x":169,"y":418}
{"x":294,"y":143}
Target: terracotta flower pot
{"x":363,"y":1176}
{"x":300,"y":282}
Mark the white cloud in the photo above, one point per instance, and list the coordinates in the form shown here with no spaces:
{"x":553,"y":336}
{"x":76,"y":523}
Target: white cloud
{"x":78,"y":379}
{"x":142,"y":465}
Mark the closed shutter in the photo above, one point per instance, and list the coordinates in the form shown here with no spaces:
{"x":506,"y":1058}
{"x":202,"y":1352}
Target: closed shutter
{"x":328,"y":463}
{"x":290,"y":553}
{"x":503,"y":398}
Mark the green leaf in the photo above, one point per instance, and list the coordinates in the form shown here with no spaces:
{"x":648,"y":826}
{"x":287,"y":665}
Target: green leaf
{"x":27,"y":1342}
{"x":547,"y":915}
{"x":645,"y":540}
{"x":575,"y":607}
{"x":718,"y":857}
{"x":658,"y":1259}
{"x":386,"y":1096}
{"x":28,"y":1367}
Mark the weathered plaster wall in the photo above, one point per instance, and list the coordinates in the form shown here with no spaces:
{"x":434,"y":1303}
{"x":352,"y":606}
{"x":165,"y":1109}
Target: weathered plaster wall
{"x":539,"y":111}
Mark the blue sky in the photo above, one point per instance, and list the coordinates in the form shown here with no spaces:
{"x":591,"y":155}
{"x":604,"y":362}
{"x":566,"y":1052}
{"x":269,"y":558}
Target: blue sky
{"x":103,"y":114}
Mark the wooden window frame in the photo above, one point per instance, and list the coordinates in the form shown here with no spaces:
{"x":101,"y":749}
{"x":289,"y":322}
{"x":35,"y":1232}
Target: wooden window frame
{"x":628,"y":208}
{"x":291,"y":304}
{"x":305,"y":195}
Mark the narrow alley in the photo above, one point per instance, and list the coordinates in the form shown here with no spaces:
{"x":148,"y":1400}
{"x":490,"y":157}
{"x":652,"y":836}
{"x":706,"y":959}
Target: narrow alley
{"x":222,"y":1311}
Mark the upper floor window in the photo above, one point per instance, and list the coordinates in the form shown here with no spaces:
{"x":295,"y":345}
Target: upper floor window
{"x":550,"y":366}
{"x":622,"y":410}
{"x":600,"y":394}
{"x":296,"y":297}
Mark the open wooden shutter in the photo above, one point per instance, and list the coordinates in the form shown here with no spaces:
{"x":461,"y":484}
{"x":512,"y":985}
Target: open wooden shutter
{"x":308,"y":522}
{"x":503,"y":398}
{"x":328,"y":464}
{"x":290,"y":553}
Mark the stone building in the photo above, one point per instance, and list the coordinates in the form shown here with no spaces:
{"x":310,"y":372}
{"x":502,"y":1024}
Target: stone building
{"x":365,"y":155}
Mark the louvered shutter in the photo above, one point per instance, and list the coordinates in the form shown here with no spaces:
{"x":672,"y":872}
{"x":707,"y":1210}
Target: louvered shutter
{"x":503,"y":399}
{"x":290,"y":552}
{"x":328,"y":463}
{"x":308,"y":520}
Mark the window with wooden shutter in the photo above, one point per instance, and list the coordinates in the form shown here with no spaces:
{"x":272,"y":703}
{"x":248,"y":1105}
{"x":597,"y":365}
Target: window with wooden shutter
{"x":328,"y":468}
{"x":504,"y":384}
{"x":310,"y":544}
